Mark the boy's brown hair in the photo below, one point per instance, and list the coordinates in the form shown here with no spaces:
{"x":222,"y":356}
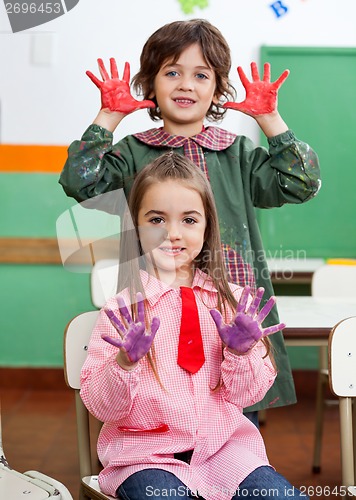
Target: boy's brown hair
{"x":167,"y":44}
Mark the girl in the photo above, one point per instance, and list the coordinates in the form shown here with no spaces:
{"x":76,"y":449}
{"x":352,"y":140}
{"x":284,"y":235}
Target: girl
{"x":170,"y":428}
{"x":184,"y":78}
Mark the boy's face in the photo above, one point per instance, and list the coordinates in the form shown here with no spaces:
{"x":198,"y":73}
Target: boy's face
{"x":184,"y":92}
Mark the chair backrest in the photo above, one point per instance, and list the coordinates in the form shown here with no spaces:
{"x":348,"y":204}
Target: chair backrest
{"x":332,"y":280}
{"x":342,"y":380}
{"x":342,"y":358}
{"x":76,"y":339}
{"x":104,"y":276}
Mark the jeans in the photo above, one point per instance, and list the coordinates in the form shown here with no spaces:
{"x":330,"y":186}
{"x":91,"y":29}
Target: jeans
{"x":263,"y":483}
{"x":253,"y":416}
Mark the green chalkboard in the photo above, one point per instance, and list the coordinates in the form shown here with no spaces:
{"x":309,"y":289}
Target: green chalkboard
{"x":318,"y":102}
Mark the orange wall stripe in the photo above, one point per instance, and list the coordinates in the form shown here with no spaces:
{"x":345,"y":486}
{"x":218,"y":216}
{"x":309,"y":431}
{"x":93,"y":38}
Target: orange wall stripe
{"x":32,"y":159}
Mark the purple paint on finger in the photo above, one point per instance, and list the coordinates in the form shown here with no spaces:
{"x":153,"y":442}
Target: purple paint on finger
{"x":112,"y":341}
{"x":155,"y":325}
{"x":140,"y":307}
{"x":255,"y":304}
{"x":273,"y":329}
{"x":241,"y":306}
{"x":114,"y":320}
{"x":266,"y":309}
{"x":123,"y":310}
{"x":216,"y":317}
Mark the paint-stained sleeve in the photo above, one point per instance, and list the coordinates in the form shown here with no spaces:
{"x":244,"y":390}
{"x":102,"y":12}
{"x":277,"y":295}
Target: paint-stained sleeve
{"x":287,"y":173}
{"x":94,"y":166}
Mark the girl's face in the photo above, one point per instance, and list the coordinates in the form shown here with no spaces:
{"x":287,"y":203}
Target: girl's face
{"x":184,"y":92}
{"x":172,"y":224}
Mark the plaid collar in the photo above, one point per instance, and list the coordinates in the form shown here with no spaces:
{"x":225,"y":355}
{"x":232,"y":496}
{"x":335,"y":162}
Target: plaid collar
{"x":155,"y":289}
{"x":213,"y":138}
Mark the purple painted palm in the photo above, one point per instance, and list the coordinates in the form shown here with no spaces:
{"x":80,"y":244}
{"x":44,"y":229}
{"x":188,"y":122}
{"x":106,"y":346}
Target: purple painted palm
{"x":135,"y":340}
{"x":246,"y":328}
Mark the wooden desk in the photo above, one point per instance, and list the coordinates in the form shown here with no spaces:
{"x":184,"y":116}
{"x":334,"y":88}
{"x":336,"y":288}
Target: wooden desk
{"x":310,"y":319}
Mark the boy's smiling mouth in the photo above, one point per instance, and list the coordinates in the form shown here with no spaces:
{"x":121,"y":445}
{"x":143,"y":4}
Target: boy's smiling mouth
{"x":183,"y":101}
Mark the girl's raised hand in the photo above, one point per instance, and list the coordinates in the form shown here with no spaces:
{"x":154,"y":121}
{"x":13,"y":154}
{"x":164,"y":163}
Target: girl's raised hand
{"x":135,"y":341}
{"x":246,"y":329}
{"x":115,"y":93}
{"x":261,"y":95}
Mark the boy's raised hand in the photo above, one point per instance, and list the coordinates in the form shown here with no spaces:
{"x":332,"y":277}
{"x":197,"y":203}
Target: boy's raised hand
{"x":261,"y":95}
{"x":246,"y":328}
{"x":115,"y":93}
{"x":135,"y":341}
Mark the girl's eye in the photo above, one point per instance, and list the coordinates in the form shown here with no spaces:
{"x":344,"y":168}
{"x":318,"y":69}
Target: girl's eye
{"x":189,"y":220}
{"x":201,"y":76}
{"x":172,"y":73}
{"x":156,"y":220}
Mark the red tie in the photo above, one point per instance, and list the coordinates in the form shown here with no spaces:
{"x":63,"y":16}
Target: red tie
{"x":190,"y":348}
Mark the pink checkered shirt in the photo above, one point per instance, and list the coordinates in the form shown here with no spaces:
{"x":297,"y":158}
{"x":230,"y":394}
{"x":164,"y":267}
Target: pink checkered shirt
{"x":227,"y":446}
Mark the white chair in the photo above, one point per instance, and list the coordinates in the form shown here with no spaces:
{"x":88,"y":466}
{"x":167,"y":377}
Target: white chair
{"x":76,"y":339}
{"x":30,"y":485}
{"x":342,"y":378}
{"x":103,"y":283}
{"x":338,"y":281}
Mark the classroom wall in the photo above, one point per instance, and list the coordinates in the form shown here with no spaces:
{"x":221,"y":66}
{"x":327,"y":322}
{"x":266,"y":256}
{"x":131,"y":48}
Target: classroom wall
{"x":38,"y":300}
{"x":53,"y":103}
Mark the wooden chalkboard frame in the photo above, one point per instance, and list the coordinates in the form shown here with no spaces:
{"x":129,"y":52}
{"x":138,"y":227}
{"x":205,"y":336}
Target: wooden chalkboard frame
{"x":318,"y":102}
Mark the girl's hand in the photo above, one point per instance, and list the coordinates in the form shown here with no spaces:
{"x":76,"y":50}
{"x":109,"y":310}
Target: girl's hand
{"x":261,"y":95}
{"x":135,"y":341}
{"x":246,"y":330}
{"x":115,"y":93}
